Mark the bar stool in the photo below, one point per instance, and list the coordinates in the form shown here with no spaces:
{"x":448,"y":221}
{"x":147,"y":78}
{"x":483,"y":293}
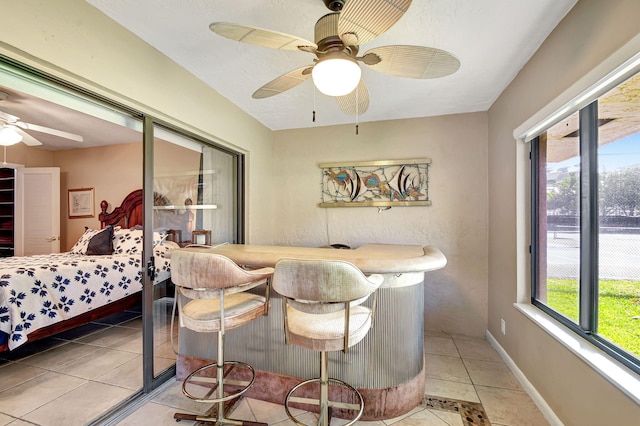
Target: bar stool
{"x":322,"y":303}
{"x":217,"y":300}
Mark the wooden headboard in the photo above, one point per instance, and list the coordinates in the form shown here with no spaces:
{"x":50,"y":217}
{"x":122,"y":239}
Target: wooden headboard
{"x":127,"y":215}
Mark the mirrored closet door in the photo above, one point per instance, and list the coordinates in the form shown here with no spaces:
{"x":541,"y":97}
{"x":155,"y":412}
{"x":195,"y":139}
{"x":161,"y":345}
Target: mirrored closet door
{"x":195,"y":202}
{"x":70,"y":308}
{"x":96,"y":318}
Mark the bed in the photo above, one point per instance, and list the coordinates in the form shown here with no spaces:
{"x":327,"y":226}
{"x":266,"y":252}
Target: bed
{"x":102,"y":274}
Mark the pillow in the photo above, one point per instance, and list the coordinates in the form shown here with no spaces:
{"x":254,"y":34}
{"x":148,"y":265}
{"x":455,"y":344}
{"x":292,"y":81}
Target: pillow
{"x":80,"y":247}
{"x":101,"y":243}
{"x":127,"y":241}
{"x":159,"y":238}
{"x":162,"y":249}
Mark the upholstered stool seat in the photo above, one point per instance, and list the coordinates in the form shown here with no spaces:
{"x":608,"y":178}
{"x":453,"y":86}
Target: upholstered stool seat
{"x":202,"y":316}
{"x":323,"y":311}
{"x":212,"y":297}
{"x":325,"y":332}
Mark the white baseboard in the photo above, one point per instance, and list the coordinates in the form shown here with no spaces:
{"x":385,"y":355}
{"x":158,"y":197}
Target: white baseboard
{"x":542,"y":405}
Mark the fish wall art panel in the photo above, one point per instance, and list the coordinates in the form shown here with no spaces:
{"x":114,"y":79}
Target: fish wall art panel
{"x":385,"y":183}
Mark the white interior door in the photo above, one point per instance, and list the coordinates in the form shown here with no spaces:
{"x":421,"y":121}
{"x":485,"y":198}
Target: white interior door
{"x":37,"y":224}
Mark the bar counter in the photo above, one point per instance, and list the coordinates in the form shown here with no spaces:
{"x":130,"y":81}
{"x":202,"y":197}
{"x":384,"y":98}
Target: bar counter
{"x":387,"y":367}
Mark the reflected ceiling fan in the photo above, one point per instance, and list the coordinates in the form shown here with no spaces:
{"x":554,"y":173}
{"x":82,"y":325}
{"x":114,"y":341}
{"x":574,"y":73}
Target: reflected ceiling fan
{"x":12,"y":130}
{"x":338,"y":36}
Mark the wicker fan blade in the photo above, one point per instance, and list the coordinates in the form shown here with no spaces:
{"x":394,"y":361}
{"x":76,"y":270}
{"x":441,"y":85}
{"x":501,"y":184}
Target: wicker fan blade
{"x":260,"y":36}
{"x":368,"y":19}
{"x":283,"y":83}
{"x":356,"y":102}
{"x":414,"y":61}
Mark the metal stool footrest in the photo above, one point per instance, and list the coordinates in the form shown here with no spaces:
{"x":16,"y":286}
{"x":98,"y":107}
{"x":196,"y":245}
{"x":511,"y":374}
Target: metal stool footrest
{"x":194,"y":379}
{"x":332,"y":404}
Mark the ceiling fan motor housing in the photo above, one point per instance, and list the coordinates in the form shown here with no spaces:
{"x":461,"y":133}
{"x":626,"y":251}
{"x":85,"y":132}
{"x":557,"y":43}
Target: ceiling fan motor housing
{"x":334,"y":5}
{"x":326,"y":33}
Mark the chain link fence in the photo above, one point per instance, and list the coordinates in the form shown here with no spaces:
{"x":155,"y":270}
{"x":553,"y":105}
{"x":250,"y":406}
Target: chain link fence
{"x":619,"y":253}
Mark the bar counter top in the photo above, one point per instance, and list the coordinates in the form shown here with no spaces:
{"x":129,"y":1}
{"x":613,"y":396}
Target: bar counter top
{"x":369,"y":258}
{"x":387,"y":366}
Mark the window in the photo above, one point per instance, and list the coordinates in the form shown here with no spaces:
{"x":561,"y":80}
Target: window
{"x":586,"y":221}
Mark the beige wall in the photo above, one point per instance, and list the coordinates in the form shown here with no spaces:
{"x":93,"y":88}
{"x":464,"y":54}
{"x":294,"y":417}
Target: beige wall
{"x":591,"y":32}
{"x":72,"y":40}
{"x":28,"y":156}
{"x":473,"y":177}
{"x":112,"y":171}
{"x":456,"y":222}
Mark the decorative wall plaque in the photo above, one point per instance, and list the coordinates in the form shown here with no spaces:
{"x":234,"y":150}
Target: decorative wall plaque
{"x":387,"y":183}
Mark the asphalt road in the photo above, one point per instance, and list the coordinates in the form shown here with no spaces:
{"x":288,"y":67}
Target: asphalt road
{"x":619,"y":256}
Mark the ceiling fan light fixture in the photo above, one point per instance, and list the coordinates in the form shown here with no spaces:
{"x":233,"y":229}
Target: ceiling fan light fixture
{"x":9,"y":136}
{"x":336,"y":74}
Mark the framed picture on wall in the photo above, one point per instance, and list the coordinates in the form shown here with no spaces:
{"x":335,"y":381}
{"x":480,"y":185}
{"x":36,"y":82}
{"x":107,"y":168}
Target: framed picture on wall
{"x":382,"y":183}
{"x":81,"y":203}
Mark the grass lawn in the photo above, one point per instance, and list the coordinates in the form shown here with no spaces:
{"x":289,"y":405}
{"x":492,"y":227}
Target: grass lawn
{"x":619,"y":303}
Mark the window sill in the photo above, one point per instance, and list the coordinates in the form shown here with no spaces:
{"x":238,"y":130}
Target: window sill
{"x":620,"y":376}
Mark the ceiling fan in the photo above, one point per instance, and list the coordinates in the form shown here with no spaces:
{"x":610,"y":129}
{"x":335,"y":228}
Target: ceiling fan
{"x":338,"y":36}
{"x":12,"y":130}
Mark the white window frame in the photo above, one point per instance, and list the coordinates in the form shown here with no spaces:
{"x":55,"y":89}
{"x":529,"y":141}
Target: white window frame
{"x":620,"y":66}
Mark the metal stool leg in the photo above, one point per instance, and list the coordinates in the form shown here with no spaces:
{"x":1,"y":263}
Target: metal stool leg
{"x":220,"y":399}
{"x":220,"y":364}
{"x":324,"y":389}
{"x":325,"y":405}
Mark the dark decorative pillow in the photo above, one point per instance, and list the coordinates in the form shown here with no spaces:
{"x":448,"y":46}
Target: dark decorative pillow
{"x":80,"y":247}
{"x":101,"y":243}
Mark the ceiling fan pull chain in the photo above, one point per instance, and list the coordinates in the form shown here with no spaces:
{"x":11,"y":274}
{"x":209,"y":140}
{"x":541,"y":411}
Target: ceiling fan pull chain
{"x":357,"y":109}
{"x":314,"y":103}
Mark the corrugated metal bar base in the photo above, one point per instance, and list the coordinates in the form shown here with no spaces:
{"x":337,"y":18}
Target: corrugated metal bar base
{"x":387,"y":367}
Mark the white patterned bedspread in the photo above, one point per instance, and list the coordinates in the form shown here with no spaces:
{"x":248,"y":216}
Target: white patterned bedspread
{"x":37,"y":291}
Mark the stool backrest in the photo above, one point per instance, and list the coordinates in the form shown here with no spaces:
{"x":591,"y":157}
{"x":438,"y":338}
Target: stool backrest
{"x":205,"y":270}
{"x":312,"y":285}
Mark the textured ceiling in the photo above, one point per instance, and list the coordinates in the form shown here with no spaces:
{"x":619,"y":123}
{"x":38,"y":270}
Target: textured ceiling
{"x":493,"y":39}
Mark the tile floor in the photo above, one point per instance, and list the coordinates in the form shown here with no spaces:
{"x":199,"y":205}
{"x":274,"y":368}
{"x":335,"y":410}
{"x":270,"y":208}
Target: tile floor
{"x":463,"y":373}
{"x":77,"y":375}
{"x":77,"y":379}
